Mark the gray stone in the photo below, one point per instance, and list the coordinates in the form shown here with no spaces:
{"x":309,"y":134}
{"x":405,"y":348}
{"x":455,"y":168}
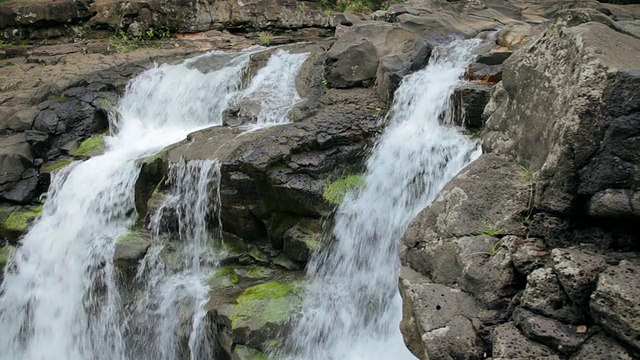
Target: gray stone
{"x":486,"y":271}
{"x":579,"y":149}
{"x":615,"y":304}
{"x":543,"y":295}
{"x":611,"y":203}
{"x":552,"y":333}
{"x":514,"y":36}
{"x":509,"y":343}
{"x":438,"y":312}
{"x":601,"y":347}
{"x":577,"y":272}
{"x":131,"y":247}
{"x":469,"y":101}
{"x":302,"y":240}
{"x":527,"y":254}
{"x":351,"y":64}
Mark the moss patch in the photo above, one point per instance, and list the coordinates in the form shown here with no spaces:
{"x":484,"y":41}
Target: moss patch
{"x":224,"y":277}
{"x":91,"y":147}
{"x":272,"y":302}
{"x":336,"y":191}
{"x":19,"y":220}
{"x":56,"y":165}
{"x":6,"y":253}
{"x":246,"y":353}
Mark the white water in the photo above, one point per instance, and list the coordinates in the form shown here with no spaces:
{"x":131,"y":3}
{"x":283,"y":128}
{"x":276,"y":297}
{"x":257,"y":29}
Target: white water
{"x":59,"y":298}
{"x":275,"y":89}
{"x":157,"y":323}
{"x":352,"y":308}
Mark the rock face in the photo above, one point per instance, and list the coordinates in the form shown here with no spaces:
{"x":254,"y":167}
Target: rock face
{"x":558,"y":147}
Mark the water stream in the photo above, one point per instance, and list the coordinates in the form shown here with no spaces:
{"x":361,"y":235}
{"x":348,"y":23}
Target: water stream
{"x":352,"y":307}
{"x":59,"y":298}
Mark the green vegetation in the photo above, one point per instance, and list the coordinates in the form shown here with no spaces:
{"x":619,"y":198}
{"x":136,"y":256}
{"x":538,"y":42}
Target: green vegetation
{"x":525,"y":173}
{"x":6,"y":252}
{"x":121,"y":42}
{"x":19,"y":220}
{"x":265,"y":39}
{"x":489,"y":231}
{"x":91,"y":147}
{"x":335,"y":192}
{"x":224,"y":276}
{"x":57,"y":165}
{"x":271,"y":302}
{"x":246,"y":353}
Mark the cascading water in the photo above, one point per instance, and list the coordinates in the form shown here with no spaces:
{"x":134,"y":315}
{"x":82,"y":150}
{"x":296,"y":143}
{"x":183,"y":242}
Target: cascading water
{"x":159,"y":314}
{"x":59,"y":299}
{"x":352,"y":307}
{"x":275,"y":89}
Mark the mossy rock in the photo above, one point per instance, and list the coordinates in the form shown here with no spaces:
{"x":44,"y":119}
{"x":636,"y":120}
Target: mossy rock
{"x":224,"y":277}
{"x":131,"y":247}
{"x":335,"y":192}
{"x":17,"y":223}
{"x":6,"y":252}
{"x":92,"y":146}
{"x":242,"y":352}
{"x":56,"y":165}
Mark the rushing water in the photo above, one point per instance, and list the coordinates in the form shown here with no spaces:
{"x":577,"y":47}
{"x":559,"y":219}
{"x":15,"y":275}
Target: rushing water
{"x":352,"y":307}
{"x":59,"y":297}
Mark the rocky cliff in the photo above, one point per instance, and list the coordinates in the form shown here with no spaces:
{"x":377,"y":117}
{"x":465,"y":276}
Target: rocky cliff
{"x":530,"y":252}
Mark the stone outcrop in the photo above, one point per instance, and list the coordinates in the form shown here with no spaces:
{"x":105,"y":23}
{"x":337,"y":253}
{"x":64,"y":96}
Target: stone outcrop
{"x":558,"y":159}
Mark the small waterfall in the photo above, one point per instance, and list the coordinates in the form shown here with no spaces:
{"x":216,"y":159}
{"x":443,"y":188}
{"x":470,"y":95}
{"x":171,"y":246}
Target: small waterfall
{"x":158,"y":318}
{"x":352,"y":307}
{"x":59,"y":299}
{"x":275,"y":89}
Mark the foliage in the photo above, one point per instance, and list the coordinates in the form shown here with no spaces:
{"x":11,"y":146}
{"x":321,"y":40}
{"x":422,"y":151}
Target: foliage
{"x":121,"y":42}
{"x":490,"y":231}
{"x":270,"y":302}
{"x":336,"y":191}
{"x":265,"y":39}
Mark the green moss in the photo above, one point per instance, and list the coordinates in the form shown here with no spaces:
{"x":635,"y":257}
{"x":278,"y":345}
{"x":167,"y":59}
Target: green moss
{"x":126,"y":238}
{"x":57,"y":165}
{"x":91,"y":147}
{"x":6,"y":253}
{"x":19,"y":220}
{"x":311,"y":243}
{"x":224,"y":276}
{"x":271,"y":302}
{"x":336,"y":191}
{"x":256,"y":272}
{"x":246,"y":353}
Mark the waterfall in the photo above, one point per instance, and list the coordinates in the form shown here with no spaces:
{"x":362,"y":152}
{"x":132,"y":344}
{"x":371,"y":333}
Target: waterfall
{"x":158,"y":314}
{"x":59,"y":298}
{"x":352,"y":308}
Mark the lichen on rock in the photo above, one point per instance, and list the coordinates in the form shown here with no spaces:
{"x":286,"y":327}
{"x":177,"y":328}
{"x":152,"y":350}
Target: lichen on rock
{"x":92,"y":146}
{"x":335,"y":192}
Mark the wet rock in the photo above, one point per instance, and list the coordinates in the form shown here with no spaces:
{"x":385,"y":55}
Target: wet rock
{"x":241,"y":352}
{"x":18,"y":221}
{"x":543,"y":295}
{"x":469,"y":101}
{"x":302,"y":240}
{"x":483,"y":73}
{"x":561,"y":337}
{"x":577,"y":272}
{"x":131,"y":247}
{"x":601,"y":347}
{"x":616,"y":302}
{"x":509,"y":343}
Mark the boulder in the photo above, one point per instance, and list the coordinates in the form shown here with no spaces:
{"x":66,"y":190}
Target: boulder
{"x":552,"y":333}
{"x":444,"y":319}
{"x":514,"y":36}
{"x":601,"y":347}
{"x":579,"y":149}
{"x":527,"y":254}
{"x":469,"y":101}
{"x":543,"y":295}
{"x":615,"y":303}
{"x":509,"y":343}
{"x":577,"y":271}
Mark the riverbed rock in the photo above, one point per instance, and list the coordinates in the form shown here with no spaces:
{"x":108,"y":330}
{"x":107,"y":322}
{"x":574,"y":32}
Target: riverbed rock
{"x":577,"y":271}
{"x":616,"y":302}
{"x":469,"y":101}
{"x":552,"y":333}
{"x":545,"y":296}
{"x":601,"y":347}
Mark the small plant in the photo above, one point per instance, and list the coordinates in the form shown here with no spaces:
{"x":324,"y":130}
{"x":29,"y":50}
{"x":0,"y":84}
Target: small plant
{"x":303,"y":9}
{"x":150,"y":33}
{"x":525,"y":173}
{"x":489,"y":231}
{"x":265,"y":39}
